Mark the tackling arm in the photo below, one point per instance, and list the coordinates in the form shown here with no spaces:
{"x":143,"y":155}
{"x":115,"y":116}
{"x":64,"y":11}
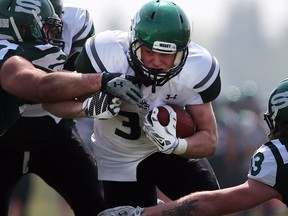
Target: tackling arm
{"x":218,"y":202}
{"x":20,"y":78}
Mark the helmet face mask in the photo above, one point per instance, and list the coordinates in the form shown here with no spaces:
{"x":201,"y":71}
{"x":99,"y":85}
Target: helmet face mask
{"x":52,"y":29}
{"x":163,"y":27}
{"x":157,"y":77}
{"x":25,"y":21}
{"x":277,"y":106}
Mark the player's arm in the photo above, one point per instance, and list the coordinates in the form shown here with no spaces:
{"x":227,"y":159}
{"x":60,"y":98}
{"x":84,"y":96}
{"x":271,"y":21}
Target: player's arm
{"x":100,"y":105}
{"x":218,"y":202}
{"x":204,"y":142}
{"x":19,"y":77}
{"x":65,"y":109}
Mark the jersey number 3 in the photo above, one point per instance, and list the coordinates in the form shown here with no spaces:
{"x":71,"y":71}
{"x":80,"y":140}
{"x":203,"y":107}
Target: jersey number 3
{"x":133,"y":123}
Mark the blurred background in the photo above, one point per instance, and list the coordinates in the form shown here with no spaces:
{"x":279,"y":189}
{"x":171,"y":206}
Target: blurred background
{"x":250,"y":40}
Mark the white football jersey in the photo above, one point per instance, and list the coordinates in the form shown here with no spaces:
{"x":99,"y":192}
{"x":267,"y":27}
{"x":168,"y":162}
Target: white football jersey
{"x":77,"y":27}
{"x":120,"y":142}
{"x":269,"y":165}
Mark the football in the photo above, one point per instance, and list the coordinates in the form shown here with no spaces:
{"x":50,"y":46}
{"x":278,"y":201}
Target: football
{"x":185,"y":125}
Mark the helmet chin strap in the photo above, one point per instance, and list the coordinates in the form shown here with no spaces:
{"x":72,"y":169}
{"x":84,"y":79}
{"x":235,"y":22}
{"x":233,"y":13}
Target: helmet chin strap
{"x":273,"y":117}
{"x":37,"y":18}
{"x":12,"y":21}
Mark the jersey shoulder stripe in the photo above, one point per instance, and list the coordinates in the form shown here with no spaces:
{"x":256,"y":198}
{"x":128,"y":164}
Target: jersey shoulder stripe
{"x":275,"y":151}
{"x":209,"y":74}
{"x":82,"y":33}
{"x":268,"y":161}
{"x":107,"y":51}
{"x":206,"y":72}
{"x":214,"y":83}
{"x":78,"y":27}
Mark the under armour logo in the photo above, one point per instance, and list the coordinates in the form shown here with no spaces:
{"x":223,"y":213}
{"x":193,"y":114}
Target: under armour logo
{"x":118,"y":84}
{"x":171,"y":97}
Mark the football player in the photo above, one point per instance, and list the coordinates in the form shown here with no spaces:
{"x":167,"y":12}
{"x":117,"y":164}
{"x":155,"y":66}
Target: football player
{"x":170,"y":69}
{"x":267,"y":176}
{"x":33,"y":140}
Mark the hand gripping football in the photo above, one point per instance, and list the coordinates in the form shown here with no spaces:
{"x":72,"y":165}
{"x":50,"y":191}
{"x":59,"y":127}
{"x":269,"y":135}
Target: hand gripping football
{"x":185,"y":125}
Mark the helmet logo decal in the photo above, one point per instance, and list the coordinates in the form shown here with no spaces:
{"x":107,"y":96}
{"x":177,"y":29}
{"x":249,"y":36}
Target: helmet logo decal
{"x":26,"y":6}
{"x":4,"y":23}
{"x":279,"y":101}
{"x":164,"y":47}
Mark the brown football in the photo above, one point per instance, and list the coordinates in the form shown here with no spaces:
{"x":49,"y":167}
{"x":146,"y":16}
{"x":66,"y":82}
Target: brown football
{"x":185,"y":125}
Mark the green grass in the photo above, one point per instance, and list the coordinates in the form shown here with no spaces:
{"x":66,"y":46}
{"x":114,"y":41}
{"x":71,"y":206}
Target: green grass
{"x":46,"y":202}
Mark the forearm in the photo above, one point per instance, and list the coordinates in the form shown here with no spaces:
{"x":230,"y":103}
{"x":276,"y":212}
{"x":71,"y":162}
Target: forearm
{"x":65,"y":109}
{"x":57,"y":87}
{"x":183,"y":206}
{"x":20,"y":78}
{"x":204,"y":142}
{"x":217,"y":202}
{"x":201,"y":144}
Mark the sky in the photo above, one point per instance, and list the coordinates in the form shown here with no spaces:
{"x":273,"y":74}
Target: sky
{"x":206,"y":13}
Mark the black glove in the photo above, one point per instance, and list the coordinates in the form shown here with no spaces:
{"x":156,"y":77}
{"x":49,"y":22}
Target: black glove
{"x":116,"y":84}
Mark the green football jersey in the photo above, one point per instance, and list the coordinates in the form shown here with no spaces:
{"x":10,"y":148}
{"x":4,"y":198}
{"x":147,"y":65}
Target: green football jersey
{"x":43,"y":56}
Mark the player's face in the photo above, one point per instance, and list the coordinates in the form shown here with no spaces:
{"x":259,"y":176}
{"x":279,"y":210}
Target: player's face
{"x":156,"y":60}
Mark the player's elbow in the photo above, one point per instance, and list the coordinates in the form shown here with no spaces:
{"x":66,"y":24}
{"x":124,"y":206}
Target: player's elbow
{"x":5,"y":83}
{"x":6,"y":79}
{"x":212,"y":146}
{"x":212,"y":149}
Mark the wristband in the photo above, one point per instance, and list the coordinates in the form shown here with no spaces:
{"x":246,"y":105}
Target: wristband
{"x":105,"y":78}
{"x":138,"y":211}
{"x":181,"y":148}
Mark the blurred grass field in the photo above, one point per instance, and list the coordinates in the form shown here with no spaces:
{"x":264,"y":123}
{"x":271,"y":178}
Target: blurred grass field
{"x":44,"y":201}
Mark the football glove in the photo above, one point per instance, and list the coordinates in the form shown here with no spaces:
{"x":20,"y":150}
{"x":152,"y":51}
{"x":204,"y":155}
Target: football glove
{"x":123,"y":211}
{"x":101,"y":106}
{"x":117,"y":85}
{"x":164,"y":137}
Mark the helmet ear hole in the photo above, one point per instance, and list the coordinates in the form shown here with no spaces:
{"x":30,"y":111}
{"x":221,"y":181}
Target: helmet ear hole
{"x":25,"y":31}
{"x":178,"y":58}
{"x":138,"y":50}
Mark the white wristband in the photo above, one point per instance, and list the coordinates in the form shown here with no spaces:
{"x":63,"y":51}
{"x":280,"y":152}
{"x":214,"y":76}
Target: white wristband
{"x":181,"y":148}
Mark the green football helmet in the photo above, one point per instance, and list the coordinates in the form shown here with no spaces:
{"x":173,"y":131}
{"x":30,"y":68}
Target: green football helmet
{"x":30,"y":20}
{"x":162,"y":26}
{"x":277,"y":105}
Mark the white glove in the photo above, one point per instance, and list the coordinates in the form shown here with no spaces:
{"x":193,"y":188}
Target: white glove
{"x":101,"y":106}
{"x":164,"y":137}
{"x":123,"y":211}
